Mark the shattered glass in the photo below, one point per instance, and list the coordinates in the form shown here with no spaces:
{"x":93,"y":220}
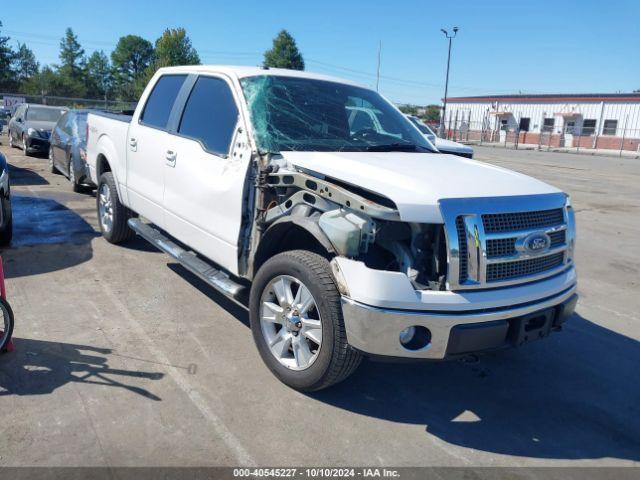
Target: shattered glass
{"x":302,"y":114}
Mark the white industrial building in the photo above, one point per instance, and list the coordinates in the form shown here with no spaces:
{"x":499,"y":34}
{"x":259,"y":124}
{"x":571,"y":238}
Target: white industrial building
{"x":607,"y":121}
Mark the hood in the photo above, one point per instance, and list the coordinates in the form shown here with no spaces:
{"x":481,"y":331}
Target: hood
{"x":416,"y":182}
{"x":39,"y":125}
{"x":450,"y":146}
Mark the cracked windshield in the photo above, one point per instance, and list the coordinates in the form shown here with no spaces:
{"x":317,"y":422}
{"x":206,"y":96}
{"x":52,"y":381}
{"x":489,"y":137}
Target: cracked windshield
{"x":302,"y":114}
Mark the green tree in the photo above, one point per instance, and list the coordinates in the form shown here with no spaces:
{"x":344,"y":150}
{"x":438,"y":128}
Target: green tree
{"x":25,"y":63}
{"x":284,"y":53}
{"x":45,"y":82}
{"x":98,"y":76}
{"x":432,"y":113}
{"x":71,"y":55}
{"x":172,"y":48}
{"x":130,"y":59}
{"x":409,"y":109}
{"x":72,"y":67}
{"x":7,"y":55}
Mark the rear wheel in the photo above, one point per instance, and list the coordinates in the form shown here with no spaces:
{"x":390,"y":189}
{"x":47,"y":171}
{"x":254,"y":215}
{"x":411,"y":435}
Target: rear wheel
{"x":25,"y":149}
{"x":75,"y":186}
{"x":297,"y":324}
{"x":52,"y":165}
{"x":112,"y":215}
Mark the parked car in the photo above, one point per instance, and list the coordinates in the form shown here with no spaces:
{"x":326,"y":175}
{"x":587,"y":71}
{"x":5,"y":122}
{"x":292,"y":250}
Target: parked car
{"x":5,"y":115}
{"x":67,"y":152}
{"x":6,"y":216}
{"x":31,"y":125}
{"x":347,"y":241}
{"x":443,"y":145}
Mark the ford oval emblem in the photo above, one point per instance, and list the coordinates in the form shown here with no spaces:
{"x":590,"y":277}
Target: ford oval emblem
{"x":537,"y":243}
{"x":534,"y":243}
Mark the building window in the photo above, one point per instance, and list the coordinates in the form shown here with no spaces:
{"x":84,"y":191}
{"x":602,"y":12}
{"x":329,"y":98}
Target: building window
{"x":548,"y":124}
{"x":524,"y":124}
{"x":610,"y":127}
{"x":504,"y":123}
{"x":588,"y":126}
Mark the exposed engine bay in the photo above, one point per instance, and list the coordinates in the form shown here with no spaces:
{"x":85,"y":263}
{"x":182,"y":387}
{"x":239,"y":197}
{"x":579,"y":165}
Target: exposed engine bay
{"x":360,"y":224}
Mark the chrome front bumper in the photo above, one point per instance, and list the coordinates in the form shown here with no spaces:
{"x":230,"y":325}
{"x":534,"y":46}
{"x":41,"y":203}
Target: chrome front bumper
{"x":376,"y":331}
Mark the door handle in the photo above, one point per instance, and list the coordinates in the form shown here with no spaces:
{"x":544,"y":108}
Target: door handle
{"x":171,"y":158}
{"x":133,"y":143}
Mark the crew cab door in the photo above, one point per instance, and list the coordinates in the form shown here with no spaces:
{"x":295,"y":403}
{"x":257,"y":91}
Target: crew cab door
{"x":147,"y":144}
{"x":205,"y":169}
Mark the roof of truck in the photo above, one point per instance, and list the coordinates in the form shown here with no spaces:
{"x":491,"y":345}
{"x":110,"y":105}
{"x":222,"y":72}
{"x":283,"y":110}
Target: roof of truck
{"x":238,"y":71}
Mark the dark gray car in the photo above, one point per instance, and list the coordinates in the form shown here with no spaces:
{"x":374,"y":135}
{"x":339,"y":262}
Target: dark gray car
{"x":67,"y":153}
{"x":6,"y":221}
{"x":31,"y":125}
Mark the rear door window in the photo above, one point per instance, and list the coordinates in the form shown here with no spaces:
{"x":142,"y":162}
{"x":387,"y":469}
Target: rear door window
{"x":210,"y":115}
{"x":159,"y":104}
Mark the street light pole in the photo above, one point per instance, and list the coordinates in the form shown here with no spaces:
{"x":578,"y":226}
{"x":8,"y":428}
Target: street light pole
{"x":446,"y":84}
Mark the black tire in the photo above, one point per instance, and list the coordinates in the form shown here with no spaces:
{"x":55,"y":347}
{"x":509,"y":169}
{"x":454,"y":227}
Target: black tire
{"x":75,"y":186}
{"x":6,"y":233}
{"x":24,"y":147}
{"x":52,"y":166}
{"x":6,"y":324}
{"x":336,"y":359}
{"x":119,"y":231}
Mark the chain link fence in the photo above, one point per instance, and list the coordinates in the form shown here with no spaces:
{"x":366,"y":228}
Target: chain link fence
{"x":11,"y":99}
{"x":617,"y":140}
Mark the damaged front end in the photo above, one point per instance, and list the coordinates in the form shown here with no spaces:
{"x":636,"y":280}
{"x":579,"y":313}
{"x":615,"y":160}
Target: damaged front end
{"x":358,"y":224}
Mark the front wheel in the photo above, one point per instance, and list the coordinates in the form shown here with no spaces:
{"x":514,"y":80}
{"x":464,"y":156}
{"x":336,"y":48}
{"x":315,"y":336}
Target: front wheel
{"x":112,"y":215}
{"x":297,"y":324}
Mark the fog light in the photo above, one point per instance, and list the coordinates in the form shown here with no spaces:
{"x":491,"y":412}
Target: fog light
{"x":415,"y":338}
{"x":407,"y":335}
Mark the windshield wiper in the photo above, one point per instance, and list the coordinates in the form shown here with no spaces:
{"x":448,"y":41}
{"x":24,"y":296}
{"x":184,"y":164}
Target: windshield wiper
{"x":393,"y":147}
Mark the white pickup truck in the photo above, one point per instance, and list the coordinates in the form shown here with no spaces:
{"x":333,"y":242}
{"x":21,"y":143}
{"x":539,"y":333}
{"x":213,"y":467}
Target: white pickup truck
{"x":345,"y":237}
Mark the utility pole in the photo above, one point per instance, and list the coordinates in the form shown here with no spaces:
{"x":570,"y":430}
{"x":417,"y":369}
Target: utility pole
{"x":446,"y":84}
{"x":378,"y":69}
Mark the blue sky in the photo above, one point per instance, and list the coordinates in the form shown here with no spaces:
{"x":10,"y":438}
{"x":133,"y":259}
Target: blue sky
{"x":502,"y":47}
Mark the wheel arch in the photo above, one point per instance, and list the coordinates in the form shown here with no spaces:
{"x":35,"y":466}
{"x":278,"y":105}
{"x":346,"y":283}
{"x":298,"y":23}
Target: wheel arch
{"x":292,"y":234}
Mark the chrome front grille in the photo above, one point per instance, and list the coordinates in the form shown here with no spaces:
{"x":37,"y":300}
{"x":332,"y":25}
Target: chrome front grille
{"x":463,"y":248}
{"x":514,"y":222}
{"x":523,"y":268}
{"x":504,"y":247}
{"x":496,"y":242}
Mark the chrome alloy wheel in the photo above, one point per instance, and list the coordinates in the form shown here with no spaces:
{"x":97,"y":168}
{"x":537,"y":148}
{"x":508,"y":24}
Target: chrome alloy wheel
{"x":72,"y":174}
{"x":105,"y":207}
{"x":290,"y":322}
{"x":51,"y":159}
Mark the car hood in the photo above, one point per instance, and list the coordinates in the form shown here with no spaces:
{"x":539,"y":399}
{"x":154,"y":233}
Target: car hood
{"x":450,"y":146}
{"x":39,"y":125}
{"x":416,"y":182}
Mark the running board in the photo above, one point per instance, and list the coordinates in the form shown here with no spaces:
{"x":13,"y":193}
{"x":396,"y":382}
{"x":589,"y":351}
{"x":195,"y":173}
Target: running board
{"x":189,"y":260}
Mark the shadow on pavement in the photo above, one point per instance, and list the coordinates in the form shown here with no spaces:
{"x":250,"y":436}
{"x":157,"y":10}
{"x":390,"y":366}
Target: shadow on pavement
{"x":234,"y":309}
{"x":25,"y":176}
{"x":47,"y":236}
{"x":38,"y":367}
{"x":574,"y":395}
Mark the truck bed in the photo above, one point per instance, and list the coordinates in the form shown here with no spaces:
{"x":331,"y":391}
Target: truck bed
{"x":107,"y":136}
